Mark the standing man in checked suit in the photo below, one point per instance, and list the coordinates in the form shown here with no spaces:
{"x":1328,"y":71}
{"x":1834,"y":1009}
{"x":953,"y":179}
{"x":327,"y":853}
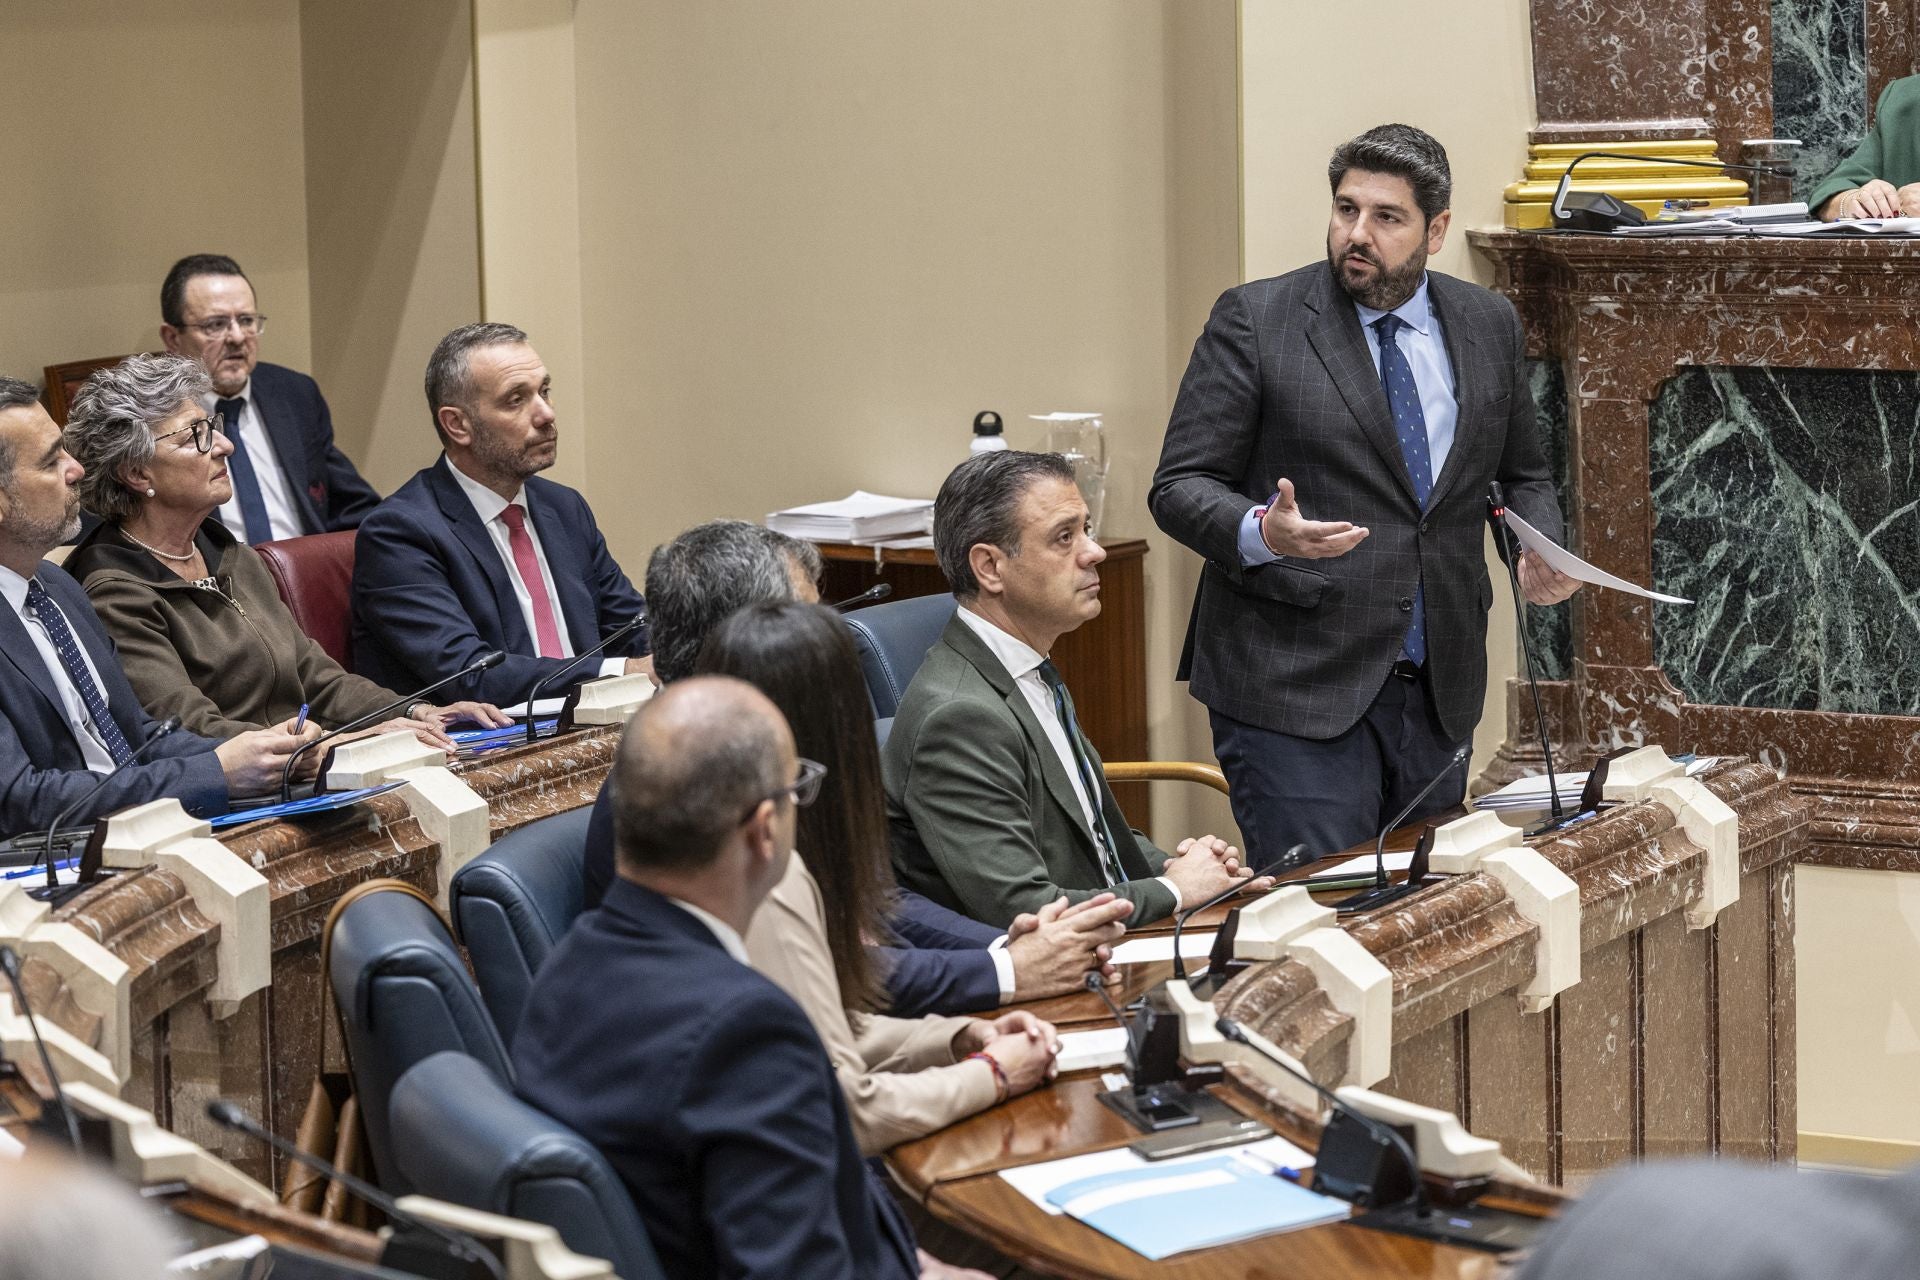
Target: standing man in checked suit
{"x":289,"y":478}
{"x":1329,"y":455}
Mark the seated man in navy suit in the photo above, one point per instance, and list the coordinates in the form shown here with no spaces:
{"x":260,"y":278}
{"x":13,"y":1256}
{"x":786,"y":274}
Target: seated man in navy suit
{"x":67,"y":713}
{"x":646,"y":1032}
{"x":477,"y":553}
{"x":288,"y":477}
{"x":947,"y":963}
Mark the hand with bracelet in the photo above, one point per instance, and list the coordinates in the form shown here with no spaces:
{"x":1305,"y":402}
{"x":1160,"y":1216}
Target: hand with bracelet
{"x":1017,"y":1047}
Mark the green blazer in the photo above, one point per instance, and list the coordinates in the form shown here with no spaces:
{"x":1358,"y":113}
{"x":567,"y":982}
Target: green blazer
{"x":1890,"y":151}
{"x":983,"y":818}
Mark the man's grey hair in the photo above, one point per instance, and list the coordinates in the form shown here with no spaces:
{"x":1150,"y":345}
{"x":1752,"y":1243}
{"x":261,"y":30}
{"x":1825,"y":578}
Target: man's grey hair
{"x":111,"y":427}
{"x":449,"y":373}
{"x":980,"y":502}
{"x":698,"y":580}
{"x":1406,"y":152}
{"x":13,"y":395}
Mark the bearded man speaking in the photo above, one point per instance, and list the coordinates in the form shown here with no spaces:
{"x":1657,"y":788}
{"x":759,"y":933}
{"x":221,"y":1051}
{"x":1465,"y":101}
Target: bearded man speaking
{"x":1329,"y":455}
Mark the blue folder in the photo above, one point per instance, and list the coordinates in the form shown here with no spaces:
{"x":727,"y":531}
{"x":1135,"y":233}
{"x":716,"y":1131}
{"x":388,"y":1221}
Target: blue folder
{"x":1160,"y":1211}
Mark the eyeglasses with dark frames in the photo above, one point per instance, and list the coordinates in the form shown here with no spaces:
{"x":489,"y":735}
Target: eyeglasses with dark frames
{"x":805,"y":788}
{"x":202,"y":428}
{"x":249,"y":325}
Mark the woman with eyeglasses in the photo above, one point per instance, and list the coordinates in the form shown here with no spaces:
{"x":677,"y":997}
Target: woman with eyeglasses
{"x":202,"y":633}
{"x":903,"y":1077}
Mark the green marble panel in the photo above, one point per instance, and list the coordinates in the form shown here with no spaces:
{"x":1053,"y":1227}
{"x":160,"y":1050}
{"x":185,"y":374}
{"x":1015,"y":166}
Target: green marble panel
{"x":1551,"y":629}
{"x":1819,"y":82}
{"x":1787,"y":506}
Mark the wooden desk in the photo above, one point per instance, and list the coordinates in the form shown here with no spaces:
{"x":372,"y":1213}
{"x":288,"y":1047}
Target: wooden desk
{"x":1104,"y":662}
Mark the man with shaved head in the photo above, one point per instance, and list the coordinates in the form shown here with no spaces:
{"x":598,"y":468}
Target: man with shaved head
{"x":701,"y":1081}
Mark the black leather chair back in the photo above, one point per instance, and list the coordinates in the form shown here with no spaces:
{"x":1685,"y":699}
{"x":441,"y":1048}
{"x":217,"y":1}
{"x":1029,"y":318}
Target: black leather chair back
{"x":404,"y":995}
{"x":512,"y":904}
{"x":893,"y":640}
{"x":461,"y":1135}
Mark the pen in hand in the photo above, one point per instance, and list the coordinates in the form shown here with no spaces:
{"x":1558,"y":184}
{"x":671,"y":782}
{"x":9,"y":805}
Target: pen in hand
{"x":300,"y":725}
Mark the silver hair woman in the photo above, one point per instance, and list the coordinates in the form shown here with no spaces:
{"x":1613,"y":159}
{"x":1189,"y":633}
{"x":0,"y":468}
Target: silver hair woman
{"x":201,"y":630}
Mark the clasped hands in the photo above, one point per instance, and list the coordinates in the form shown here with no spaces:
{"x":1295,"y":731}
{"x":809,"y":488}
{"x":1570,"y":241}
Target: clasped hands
{"x":1289,"y":533}
{"x":1877,"y":199}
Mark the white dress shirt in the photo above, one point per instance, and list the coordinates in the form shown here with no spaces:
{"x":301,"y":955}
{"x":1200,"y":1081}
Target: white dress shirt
{"x":283,"y":514}
{"x":1425,"y":346}
{"x":93,"y":749}
{"x":1022,"y":662}
{"x":729,"y":937}
{"x":488,"y":505}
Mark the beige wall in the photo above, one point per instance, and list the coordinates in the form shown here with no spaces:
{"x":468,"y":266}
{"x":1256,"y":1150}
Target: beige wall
{"x":391,"y":205}
{"x":1465,"y":77}
{"x":129,"y":153}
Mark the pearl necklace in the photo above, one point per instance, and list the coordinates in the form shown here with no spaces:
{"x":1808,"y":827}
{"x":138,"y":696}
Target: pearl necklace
{"x":164,"y":555}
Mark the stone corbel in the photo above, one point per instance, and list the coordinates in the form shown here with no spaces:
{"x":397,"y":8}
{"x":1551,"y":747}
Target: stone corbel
{"x":100,"y":983}
{"x":224,"y":888}
{"x":369,"y":762}
{"x":1632,"y":777}
{"x":1201,"y":1041}
{"x":77,"y":1061}
{"x":1289,"y":924}
{"x":611,"y":700}
{"x":1711,"y":824}
{"x":530,"y":1251}
{"x":146,"y":1155}
{"x":453,"y":817}
{"x":1542,"y":893}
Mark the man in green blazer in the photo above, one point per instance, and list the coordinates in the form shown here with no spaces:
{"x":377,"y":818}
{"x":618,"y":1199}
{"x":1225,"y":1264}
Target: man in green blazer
{"x":996,"y":801}
{"x":1881,"y":179}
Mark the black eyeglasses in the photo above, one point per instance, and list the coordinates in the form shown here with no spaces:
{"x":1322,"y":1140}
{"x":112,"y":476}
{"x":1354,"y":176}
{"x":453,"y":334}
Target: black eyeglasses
{"x":202,"y":428}
{"x":249,"y":325}
{"x":804,"y":789}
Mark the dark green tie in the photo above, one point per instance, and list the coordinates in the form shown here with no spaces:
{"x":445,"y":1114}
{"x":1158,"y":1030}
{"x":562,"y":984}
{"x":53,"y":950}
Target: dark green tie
{"x":1089,"y":779}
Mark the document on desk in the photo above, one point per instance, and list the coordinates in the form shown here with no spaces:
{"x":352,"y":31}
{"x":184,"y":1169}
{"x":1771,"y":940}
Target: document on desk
{"x":1036,"y":1181}
{"x":1159,"y":946}
{"x":1364,"y":865}
{"x":1843,"y":227}
{"x":1158,"y":1212}
{"x":1558,"y":557}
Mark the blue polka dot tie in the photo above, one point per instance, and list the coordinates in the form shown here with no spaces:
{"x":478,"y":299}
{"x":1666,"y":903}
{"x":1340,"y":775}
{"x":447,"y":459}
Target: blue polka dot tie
{"x":1410,"y":425}
{"x":41,"y":605}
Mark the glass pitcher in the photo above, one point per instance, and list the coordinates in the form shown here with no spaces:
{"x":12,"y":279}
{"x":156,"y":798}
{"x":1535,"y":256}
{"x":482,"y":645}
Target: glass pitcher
{"x":1082,"y":441}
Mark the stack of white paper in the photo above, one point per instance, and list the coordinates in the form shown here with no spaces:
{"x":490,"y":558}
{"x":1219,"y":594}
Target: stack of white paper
{"x":861,"y":517}
{"x":1529,"y":794}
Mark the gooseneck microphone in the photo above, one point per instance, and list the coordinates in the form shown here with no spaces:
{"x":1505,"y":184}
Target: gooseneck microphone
{"x":1507,"y":543}
{"x":1096,"y":982}
{"x":52,"y":888}
{"x":462,"y":1246}
{"x":878,"y":591}
{"x":10,"y":965}
{"x":484,"y":662}
{"x":1383,"y":892}
{"x":1180,"y":923}
{"x":618,"y":634}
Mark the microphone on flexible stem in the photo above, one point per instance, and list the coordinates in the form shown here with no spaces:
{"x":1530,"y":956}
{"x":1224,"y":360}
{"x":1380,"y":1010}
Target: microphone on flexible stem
{"x":1507,"y":543}
{"x":1382,"y":892}
{"x":484,"y":662}
{"x":1180,"y":923}
{"x":1598,"y":211}
{"x":464,"y":1247}
{"x":618,"y":634}
{"x":53,"y":891}
{"x":10,"y":964}
{"x":1223,"y":940}
{"x":1151,"y":1104}
{"x":878,"y":591}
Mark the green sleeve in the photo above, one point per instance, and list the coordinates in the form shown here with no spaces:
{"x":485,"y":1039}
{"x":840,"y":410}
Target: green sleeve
{"x":1868,"y":161}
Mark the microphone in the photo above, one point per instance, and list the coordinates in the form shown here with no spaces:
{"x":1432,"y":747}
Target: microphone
{"x":1149,"y":1106}
{"x":1382,"y":892}
{"x":1380,"y":1134}
{"x":484,"y":662}
{"x":617,"y":634}
{"x":878,"y":591}
{"x":462,"y":1246}
{"x":1507,"y":543}
{"x":10,"y":964}
{"x":52,"y":890}
{"x":1598,"y":211}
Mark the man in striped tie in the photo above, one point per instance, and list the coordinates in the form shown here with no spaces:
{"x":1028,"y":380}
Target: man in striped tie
{"x":68,"y":717}
{"x":995,"y":798}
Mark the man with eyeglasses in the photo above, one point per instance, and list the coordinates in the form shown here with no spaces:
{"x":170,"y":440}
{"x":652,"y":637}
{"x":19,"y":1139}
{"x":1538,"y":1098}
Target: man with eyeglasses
{"x":288,"y":477}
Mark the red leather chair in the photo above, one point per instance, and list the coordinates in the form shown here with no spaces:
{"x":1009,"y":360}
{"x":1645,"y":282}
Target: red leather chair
{"x":314,"y":575}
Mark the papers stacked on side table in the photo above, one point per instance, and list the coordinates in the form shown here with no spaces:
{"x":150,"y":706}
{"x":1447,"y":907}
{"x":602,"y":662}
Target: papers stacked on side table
{"x":862,"y":517}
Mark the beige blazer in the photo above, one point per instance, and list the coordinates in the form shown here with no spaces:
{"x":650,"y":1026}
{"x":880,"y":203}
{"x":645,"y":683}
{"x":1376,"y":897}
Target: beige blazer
{"x":898,"y":1074}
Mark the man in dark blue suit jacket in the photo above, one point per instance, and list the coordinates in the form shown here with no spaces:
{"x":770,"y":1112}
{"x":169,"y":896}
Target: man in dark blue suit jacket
{"x":647,"y":1033}
{"x":67,"y":713}
{"x":276,"y":416}
{"x":476,"y":553}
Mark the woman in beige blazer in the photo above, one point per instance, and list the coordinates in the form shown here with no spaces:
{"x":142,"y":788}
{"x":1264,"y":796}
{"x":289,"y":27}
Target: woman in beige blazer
{"x":903,"y":1077}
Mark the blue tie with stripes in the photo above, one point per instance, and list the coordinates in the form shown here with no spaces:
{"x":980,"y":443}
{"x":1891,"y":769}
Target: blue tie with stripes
{"x":1410,"y":425}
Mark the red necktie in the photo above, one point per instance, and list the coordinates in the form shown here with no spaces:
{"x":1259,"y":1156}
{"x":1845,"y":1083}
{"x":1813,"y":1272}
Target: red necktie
{"x":515,"y":518}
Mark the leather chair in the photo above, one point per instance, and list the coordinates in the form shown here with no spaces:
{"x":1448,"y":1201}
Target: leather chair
{"x":460,"y":1135}
{"x":512,"y":904}
{"x":892,"y":640}
{"x":314,"y":575}
{"x":404,"y":994}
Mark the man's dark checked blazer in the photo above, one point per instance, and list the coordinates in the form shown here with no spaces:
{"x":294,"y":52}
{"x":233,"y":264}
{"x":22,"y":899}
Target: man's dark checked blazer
{"x":1282,"y":384}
